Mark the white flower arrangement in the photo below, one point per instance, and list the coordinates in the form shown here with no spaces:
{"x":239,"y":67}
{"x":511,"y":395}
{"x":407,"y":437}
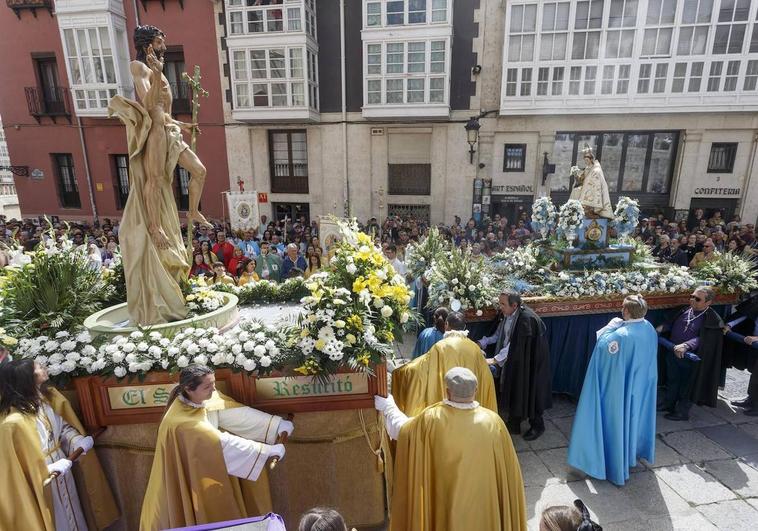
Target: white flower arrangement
{"x":203,"y":300}
{"x":730,"y":272}
{"x":626,"y":216}
{"x":570,"y":216}
{"x":543,"y":215}
{"x":420,"y":256}
{"x":460,"y":282}
{"x":592,"y":284}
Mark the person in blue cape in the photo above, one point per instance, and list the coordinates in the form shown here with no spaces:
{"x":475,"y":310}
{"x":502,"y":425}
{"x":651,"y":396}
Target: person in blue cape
{"x":614,"y":424}
{"x":429,"y":336}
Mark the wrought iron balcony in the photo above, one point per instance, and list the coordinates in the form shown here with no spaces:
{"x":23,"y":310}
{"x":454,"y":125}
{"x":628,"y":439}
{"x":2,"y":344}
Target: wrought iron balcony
{"x":52,"y":102}
{"x":182,"y":95}
{"x":18,"y":5}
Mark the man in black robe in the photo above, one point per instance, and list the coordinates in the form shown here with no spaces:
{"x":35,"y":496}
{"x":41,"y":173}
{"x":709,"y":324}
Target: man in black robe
{"x":521,"y":366}
{"x":744,"y":321}
{"x":696,"y":328}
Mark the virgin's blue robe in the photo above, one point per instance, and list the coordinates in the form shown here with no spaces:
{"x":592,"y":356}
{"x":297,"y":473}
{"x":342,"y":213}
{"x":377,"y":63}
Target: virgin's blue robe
{"x":614,"y":424}
{"x":426,"y":340}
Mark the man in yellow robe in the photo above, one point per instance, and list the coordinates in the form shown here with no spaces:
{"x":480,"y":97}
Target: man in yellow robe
{"x":199,"y":472}
{"x":36,"y":444}
{"x":456,"y":468}
{"x":420,"y":383}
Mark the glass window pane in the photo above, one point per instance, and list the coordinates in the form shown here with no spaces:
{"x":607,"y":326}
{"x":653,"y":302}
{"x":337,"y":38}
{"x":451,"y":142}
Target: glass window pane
{"x":258,"y":64}
{"x":296,"y":63}
{"x":243,"y":96}
{"x":276,"y":63}
{"x":260,"y":95}
{"x":279,"y":94}
{"x":661,"y":161}
{"x":394,"y":91}
{"x":563,"y":150}
{"x":239,"y":65}
{"x":298,"y":94}
{"x":634,"y":165}
{"x":612,"y":149}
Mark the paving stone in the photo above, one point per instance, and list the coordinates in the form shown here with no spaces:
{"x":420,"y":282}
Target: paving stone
{"x":750,"y":429}
{"x":693,"y":521}
{"x":731,"y":414}
{"x":520,"y":444}
{"x":564,"y":425}
{"x":534,"y":471}
{"x":731,"y":438}
{"x":737,"y":475}
{"x":751,"y":460}
{"x":693,"y":484}
{"x":552,"y":438}
{"x":695,"y":446}
{"x":753,"y":502}
{"x":735,"y":515}
{"x":665,"y":456}
{"x":701,"y":417}
{"x":562,"y":407}
{"x":607,"y":504}
{"x":556,"y":461}
{"x":664,"y":425}
{"x":652,"y":497}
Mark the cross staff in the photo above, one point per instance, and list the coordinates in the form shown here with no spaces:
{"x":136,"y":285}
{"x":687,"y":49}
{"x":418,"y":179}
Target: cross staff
{"x":197,"y":91}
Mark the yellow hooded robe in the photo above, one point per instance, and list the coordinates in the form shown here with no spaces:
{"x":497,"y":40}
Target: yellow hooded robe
{"x":421,"y":383}
{"x":23,"y":471}
{"x":457,"y":470}
{"x":189,"y":484}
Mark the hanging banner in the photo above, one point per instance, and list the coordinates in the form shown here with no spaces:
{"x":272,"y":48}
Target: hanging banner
{"x":243,"y":210}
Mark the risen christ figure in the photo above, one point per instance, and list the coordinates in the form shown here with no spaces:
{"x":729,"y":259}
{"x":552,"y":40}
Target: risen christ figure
{"x":155,"y":259}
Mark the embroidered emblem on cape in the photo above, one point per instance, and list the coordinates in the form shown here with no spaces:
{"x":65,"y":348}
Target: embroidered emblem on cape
{"x":613,"y":347}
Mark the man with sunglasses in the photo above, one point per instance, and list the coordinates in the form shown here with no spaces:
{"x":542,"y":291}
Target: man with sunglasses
{"x":696,"y":329}
{"x":706,"y":255}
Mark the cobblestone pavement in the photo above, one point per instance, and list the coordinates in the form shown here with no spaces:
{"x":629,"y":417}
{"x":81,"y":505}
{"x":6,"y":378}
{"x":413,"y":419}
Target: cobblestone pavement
{"x":705,"y":475}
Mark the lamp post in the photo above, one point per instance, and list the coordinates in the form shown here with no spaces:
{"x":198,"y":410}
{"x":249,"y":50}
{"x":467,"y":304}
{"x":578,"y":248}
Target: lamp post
{"x":472,"y":135}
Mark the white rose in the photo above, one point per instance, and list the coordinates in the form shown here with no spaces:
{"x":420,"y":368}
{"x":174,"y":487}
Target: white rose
{"x":154,"y":351}
{"x":386,"y":311}
{"x":260,"y":350}
{"x":378,"y":303}
{"x":73,"y":356}
{"x":164,"y":342}
{"x":236,"y":349}
{"x":84,"y":337}
{"x":192,"y":349}
{"x":182,"y":361}
{"x":129,"y":347}
{"x":164,"y":364}
{"x":404,"y":317}
{"x":201,"y":359}
{"x":455,"y":281}
{"x":173,"y":351}
{"x":117,"y":357}
{"x":249,"y":365}
{"x":68,"y":366}
{"x":136,"y":335}
{"x":249,"y":346}
{"x":130,"y":358}
{"x":212,"y":347}
{"x":51,"y":346}
{"x":265,"y":361}
{"x":119,"y":372}
{"x":62,"y":333}
{"x":89,"y":350}
{"x":142,"y":346}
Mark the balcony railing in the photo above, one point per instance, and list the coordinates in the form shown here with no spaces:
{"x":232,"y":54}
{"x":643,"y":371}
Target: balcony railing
{"x":34,"y":5}
{"x":51,"y":102}
{"x":182,"y":95}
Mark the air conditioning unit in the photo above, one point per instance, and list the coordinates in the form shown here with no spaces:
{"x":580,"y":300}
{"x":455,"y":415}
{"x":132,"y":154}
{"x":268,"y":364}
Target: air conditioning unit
{"x":377,"y":131}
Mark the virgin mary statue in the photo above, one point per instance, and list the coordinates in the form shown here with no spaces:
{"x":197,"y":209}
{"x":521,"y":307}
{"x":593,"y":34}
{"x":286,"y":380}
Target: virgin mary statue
{"x":591,"y":188}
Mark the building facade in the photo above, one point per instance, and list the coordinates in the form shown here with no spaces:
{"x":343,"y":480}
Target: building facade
{"x":664,"y":91}
{"x":363,"y":104}
{"x":8,"y":197}
{"x":350,"y":106}
{"x":62,"y":62}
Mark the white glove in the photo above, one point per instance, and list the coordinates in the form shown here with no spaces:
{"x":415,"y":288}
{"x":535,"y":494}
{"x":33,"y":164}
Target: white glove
{"x":383,"y":404}
{"x":86,"y":444}
{"x":61,"y":466}
{"x":278,"y":451}
{"x":285,"y":426}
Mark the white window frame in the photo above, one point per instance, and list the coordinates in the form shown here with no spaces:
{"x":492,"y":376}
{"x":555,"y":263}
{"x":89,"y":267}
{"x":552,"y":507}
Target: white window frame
{"x":306,"y":80}
{"x":432,"y":9}
{"x":239,"y":10}
{"x":665,"y":90}
{"x":386,"y":79}
{"x":92,"y":98}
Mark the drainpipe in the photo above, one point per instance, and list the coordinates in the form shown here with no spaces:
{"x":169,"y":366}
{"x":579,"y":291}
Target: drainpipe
{"x":136,"y":12}
{"x":86,"y":169}
{"x":346,"y":198}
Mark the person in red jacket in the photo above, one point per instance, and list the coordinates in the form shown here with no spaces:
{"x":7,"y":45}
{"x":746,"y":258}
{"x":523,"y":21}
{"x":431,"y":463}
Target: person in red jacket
{"x":235,"y":264}
{"x":223,"y":249}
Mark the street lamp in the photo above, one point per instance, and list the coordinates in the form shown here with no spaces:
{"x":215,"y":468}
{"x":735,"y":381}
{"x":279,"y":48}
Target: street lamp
{"x":472,"y":135}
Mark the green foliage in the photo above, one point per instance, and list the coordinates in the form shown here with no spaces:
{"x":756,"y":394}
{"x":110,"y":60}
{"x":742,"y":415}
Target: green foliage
{"x":57,"y":291}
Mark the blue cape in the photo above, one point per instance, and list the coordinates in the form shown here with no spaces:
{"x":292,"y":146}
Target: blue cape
{"x":614,"y":424}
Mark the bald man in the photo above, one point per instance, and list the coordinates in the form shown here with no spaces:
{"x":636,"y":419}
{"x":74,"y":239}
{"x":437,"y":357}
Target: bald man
{"x":455,"y":466}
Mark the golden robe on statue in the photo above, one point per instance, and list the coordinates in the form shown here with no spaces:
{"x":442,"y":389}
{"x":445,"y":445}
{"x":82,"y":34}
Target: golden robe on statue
{"x":456,"y":470}
{"x":592,"y":191}
{"x":25,"y":504}
{"x":421,"y":382}
{"x":190,"y":482}
{"x":152,"y":275}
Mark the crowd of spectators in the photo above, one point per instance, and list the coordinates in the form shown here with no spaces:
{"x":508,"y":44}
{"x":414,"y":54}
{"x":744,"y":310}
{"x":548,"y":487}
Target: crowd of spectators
{"x":276,"y":250}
